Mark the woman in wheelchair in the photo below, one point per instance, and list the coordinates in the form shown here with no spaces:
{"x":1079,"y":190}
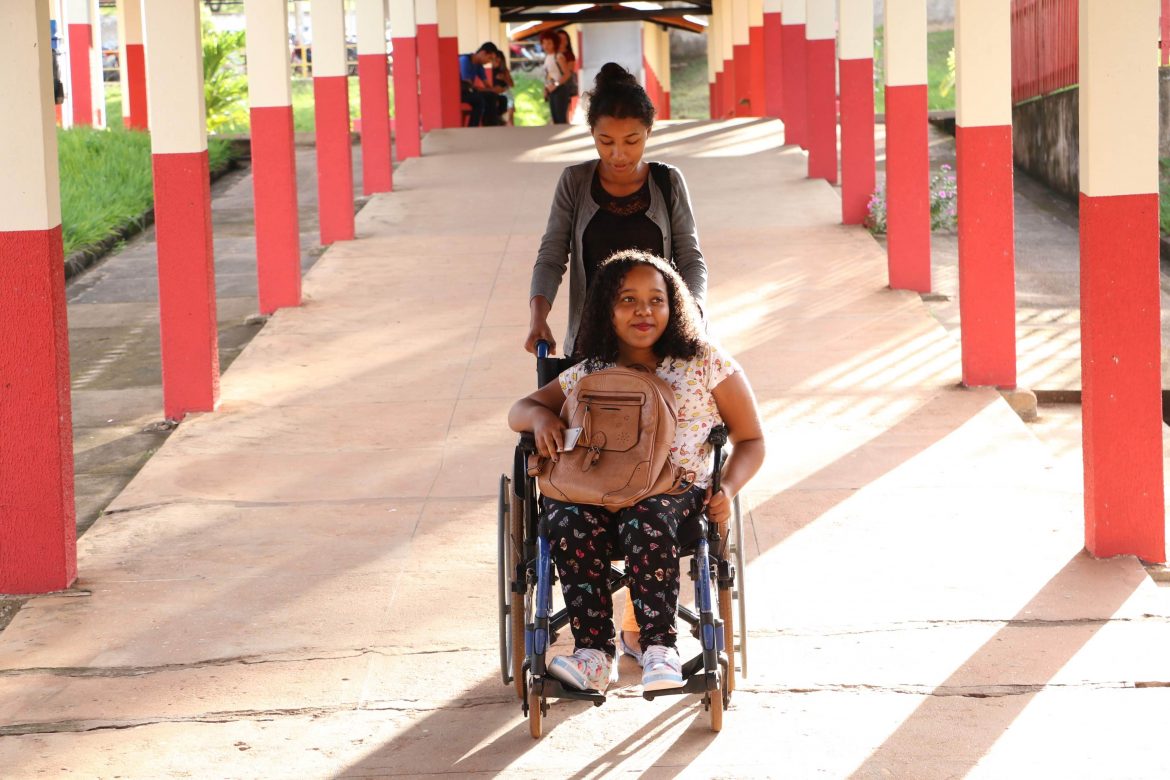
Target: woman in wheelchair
{"x":639,"y":312}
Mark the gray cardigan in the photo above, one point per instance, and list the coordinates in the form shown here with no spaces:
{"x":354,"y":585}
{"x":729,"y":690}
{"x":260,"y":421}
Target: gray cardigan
{"x":562,"y":246}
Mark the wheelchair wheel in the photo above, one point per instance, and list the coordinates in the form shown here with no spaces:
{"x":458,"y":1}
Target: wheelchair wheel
{"x":503,"y":578}
{"x":738,"y":592}
{"x":535,"y":715}
{"x":516,"y":618}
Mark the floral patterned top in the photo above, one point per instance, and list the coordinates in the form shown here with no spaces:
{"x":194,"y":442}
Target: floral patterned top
{"x":692,"y":381}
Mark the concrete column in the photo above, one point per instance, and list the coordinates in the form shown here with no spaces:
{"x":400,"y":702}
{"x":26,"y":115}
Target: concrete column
{"x":795,"y":90}
{"x":182,"y":207}
{"x":727,"y":36}
{"x":465,"y":13}
{"x":429,"y":69}
{"x":650,"y":64}
{"x":820,"y":50}
{"x":757,"y":58}
{"x":132,"y":64}
{"x":331,"y":112}
{"x":715,"y":59}
{"x":664,"y":72}
{"x":907,"y":157}
{"x":855,"y":68}
{"x":38,"y":549}
{"x":483,"y":22}
{"x":408,"y":136}
{"x":741,"y":53}
{"x":449,"y":63}
{"x":374,"y":84}
{"x":274,"y":169}
{"x":987,"y":278}
{"x":1120,"y":317}
{"x":79,"y":40}
{"x":773,"y":56}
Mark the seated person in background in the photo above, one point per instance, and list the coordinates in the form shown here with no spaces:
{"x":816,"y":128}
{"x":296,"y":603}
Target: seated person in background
{"x":639,"y":312}
{"x":502,"y":81}
{"x":475,"y":90}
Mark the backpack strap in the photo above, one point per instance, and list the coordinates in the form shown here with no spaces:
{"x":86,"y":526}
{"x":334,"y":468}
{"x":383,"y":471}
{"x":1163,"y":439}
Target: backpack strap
{"x":661,"y":174}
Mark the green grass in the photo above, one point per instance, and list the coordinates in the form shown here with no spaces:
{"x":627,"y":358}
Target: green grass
{"x":531,"y":107}
{"x":690,"y":97}
{"x":938,"y":45}
{"x":106,"y":181}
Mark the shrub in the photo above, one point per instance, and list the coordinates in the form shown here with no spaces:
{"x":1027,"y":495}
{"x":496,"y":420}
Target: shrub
{"x":225,"y":87}
{"x":944,"y":204}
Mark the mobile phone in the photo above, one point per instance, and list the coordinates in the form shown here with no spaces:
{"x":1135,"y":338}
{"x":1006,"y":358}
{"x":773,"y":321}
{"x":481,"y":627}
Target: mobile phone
{"x":571,"y":437}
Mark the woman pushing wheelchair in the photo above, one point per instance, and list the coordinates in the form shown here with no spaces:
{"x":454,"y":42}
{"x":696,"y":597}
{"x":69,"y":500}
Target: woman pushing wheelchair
{"x":639,"y":314}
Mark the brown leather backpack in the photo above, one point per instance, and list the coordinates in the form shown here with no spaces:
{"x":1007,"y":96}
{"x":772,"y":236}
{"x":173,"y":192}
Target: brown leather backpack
{"x":622,"y":454}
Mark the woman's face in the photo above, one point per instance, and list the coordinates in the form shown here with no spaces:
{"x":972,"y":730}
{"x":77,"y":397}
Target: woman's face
{"x":642,"y":308}
{"x":548,"y":44}
{"x":620,"y":145}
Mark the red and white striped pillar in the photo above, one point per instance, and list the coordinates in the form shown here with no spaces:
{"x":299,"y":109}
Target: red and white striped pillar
{"x":795,"y":91}
{"x":407,"y":134}
{"x":715,"y":59}
{"x":855,"y":68}
{"x":79,"y":41}
{"x":429,"y":73}
{"x":1121,"y":379}
{"x":987,"y":275}
{"x":820,"y":50}
{"x":374,"y":85}
{"x":757,"y":58}
{"x":331,"y":111}
{"x":727,"y":46}
{"x":274,"y":168}
{"x":741,"y":53}
{"x":132,"y":64}
{"x":664,"y":77}
{"x":773,"y":55}
{"x":651,"y":64}
{"x":38,"y":548}
{"x":182,"y":207}
{"x":449,"y":63}
{"x":907,"y":155}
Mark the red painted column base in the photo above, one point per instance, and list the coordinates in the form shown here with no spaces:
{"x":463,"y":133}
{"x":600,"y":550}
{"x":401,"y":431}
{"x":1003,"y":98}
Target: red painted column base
{"x":987,"y":274}
{"x":186,"y":283}
{"x":728,"y":89}
{"x":334,"y":158}
{"x":773,"y":65}
{"x":665,"y":105}
{"x":278,"y":227}
{"x":81,"y":83}
{"x":821,"y":72}
{"x":756,"y":60}
{"x":449,"y":80}
{"x":430,"y":87}
{"x":374,"y":84}
{"x":1121,"y":377}
{"x":907,"y":188}
{"x":795,"y":88}
{"x":408,"y":137}
{"x":858,"y":154}
{"x":716,"y":98}
{"x":743,"y":81}
{"x":38,"y":548}
{"x":136,"y":78}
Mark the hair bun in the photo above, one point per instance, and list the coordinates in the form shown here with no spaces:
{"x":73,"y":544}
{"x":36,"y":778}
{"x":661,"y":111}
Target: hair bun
{"x":613,"y":75}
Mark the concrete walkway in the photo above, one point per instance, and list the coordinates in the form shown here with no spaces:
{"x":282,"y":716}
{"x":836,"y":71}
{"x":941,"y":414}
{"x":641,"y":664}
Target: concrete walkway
{"x":302,"y":584}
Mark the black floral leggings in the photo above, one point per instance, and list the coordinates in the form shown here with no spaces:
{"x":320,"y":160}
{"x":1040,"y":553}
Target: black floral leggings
{"x":584,"y":539}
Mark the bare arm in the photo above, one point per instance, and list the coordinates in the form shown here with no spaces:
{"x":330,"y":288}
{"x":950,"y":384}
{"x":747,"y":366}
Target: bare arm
{"x":737,"y":406}
{"x":540,"y":414}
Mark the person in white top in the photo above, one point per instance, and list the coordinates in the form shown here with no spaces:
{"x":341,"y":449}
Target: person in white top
{"x":639,"y":313}
{"x":558,"y":77}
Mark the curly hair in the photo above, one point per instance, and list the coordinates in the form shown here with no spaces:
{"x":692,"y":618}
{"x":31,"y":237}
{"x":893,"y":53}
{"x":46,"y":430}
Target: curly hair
{"x":683,"y":337}
{"x":616,"y":93}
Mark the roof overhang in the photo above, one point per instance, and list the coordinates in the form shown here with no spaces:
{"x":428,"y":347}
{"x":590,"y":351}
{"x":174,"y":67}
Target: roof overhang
{"x":540,"y":16}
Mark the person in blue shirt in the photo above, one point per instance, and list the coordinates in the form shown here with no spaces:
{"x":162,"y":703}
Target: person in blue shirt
{"x":475,"y":89}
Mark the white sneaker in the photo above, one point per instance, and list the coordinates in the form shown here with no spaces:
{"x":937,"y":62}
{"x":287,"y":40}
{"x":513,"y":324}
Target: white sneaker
{"x":586,"y":669}
{"x":661,"y":668}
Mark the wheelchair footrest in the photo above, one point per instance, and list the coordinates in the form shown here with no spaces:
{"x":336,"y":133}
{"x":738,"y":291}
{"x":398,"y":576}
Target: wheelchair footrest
{"x":551,"y":688}
{"x":699,"y":683}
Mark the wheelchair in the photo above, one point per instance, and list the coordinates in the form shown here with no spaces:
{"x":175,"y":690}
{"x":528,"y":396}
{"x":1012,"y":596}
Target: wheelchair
{"x":528,"y":625}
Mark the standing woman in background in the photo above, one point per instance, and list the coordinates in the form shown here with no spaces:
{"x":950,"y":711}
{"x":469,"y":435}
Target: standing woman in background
{"x":565,"y":48}
{"x":557,"y":74}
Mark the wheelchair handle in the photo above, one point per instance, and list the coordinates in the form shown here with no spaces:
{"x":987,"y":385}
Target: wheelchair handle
{"x":718,"y":439}
{"x":542,"y":349}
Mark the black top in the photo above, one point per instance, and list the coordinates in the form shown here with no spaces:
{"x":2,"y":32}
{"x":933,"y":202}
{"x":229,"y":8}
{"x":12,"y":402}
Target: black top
{"x":620,"y":223}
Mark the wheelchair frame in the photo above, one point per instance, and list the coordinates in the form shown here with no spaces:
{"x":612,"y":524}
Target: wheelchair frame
{"x":525,"y":580}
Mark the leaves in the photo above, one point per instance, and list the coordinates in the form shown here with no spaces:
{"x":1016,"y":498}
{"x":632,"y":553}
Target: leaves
{"x":225,"y":87}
